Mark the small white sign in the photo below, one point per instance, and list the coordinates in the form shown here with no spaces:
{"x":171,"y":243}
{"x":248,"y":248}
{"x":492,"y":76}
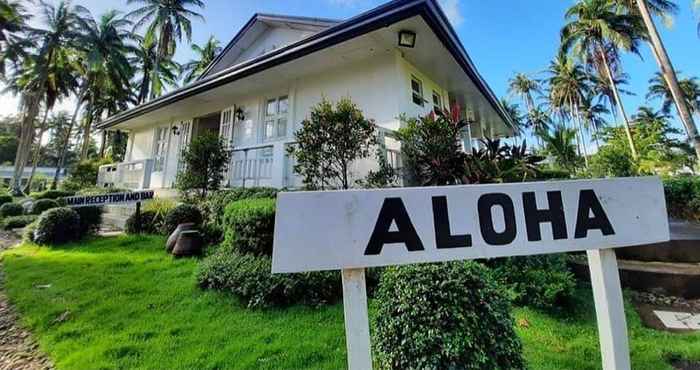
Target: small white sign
{"x":336,"y":230}
{"x":679,"y":320}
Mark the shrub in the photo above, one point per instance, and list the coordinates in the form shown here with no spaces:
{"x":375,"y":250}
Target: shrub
{"x":57,"y":226}
{"x":249,"y":277}
{"x":539,"y":281}
{"x":181,"y":214}
{"x":42,"y":205}
{"x":52,"y":194}
{"x":28,"y":233}
{"x":444,"y":316}
{"x":5,"y":198}
{"x":83,"y":174}
{"x":683,"y":197}
{"x":205,"y":161}
{"x":11,"y":209}
{"x":249,"y":226}
{"x":97,"y":190}
{"x":90,"y":219}
{"x":214,"y":205}
{"x":144,"y":223}
{"x":160,"y":208}
{"x":16,"y":222}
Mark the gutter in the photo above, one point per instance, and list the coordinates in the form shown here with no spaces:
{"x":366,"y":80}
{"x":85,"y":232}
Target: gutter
{"x":369,"y":21}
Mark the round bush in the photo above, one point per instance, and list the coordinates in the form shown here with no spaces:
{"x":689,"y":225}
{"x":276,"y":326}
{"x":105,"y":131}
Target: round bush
{"x":444,"y":316}
{"x":42,"y":205}
{"x":250,"y":225}
{"x":90,"y":219}
{"x":249,"y":277}
{"x":57,"y":226}
{"x":17,"y":222}
{"x":5,"y":198}
{"x":11,"y":209}
{"x":28,"y":233}
{"x":181,"y":214}
{"x":52,"y":194}
{"x":145,"y":223}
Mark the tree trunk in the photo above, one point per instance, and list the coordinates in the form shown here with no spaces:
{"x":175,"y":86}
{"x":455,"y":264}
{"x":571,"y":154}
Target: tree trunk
{"x":64,"y":149}
{"x":31,"y":110}
{"x":103,"y":143}
{"x":87,"y":130}
{"x":618,"y":100}
{"x":581,"y":134}
{"x":669,"y":74}
{"x":37,"y":152}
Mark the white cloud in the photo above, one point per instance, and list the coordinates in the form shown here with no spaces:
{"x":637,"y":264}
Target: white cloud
{"x":451,"y":9}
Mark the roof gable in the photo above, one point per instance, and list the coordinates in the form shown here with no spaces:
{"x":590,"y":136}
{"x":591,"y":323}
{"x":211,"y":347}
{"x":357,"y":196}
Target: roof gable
{"x":264,"y":33}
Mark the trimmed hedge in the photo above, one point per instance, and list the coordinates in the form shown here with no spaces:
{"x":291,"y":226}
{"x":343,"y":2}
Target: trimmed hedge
{"x":52,"y":194}
{"x":444,"y":316}
{"x":539,"y":281}
{"x":42,"y":205}
{"x":181,"y":214}
{"x":144,"y":224}
{"x":57,"y":226}
{"x":249,"y":226}
{"x":11,"y":209}
{"x":17,"y":222}
{"x":249,"y":277}
{"x":5,"y":198}
{"x":214,"y":206}
{"x":90,"y":219}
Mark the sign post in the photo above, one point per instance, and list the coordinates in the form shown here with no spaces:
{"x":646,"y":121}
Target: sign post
{"x":352,"y":230}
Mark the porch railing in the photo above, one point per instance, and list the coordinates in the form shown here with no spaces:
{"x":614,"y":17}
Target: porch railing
{"x":251,"y":164}
{"x":128,"y":175}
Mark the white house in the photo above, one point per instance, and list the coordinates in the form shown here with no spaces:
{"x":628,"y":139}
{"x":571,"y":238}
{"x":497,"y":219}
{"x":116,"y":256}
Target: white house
{"x":401,"y":58}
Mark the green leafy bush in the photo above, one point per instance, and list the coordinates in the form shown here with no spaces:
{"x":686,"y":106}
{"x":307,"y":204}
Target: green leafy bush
{"x":5,"y":198}
{"x":216,"y":202}
{"x":144,"y":223}
{"x":249,"y":226}
{"x":97,"y":190}
{"x":28,"y":233}
{"x":11,"y":209}
{"x":16,"y":222}
{"x":181,"y":214}
{"x":52,"y":194}
{"x":42,"y":205}
{"x":160,"y":208}
{"x":57,"y":226}
{"x":205,"y":160}
{"x":539,"y":281}
{"x":249,"y":277}
{"x":683,"y":197}
{"x":444,"y":316}
{"x":90,"y":219}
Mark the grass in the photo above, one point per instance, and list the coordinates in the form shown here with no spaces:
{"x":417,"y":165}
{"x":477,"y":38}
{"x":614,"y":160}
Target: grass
{"x":122,"y":302}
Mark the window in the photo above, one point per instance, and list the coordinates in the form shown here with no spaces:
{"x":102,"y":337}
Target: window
{"x":437,"y":102}
{"x":276,"y":118}
{"x":417,"y":91}
{"x":393,"y":158}
{"x":160,"y":144}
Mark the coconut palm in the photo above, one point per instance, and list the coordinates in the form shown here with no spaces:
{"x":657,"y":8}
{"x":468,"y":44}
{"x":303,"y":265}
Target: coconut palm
{"x":14,"y":20}
{"x":560,"y":145}
{"x":205,"y":54}
{"x":513,"y":110}
{"x":596,"y":29}
{"x":143,"y":60}
{"x":658,"y":89}
{"x":593,"y":114}
{"x":540,"y":120}
{"x":166,"y":21}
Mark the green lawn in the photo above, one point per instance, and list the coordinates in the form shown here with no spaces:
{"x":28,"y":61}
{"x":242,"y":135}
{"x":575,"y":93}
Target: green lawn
{"x":123,"y":303}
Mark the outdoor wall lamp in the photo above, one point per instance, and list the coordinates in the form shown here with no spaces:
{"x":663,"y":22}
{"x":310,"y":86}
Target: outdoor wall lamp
{"x":407,"y":39}
{"x":176,"y":130}
{"x":240,"y":114}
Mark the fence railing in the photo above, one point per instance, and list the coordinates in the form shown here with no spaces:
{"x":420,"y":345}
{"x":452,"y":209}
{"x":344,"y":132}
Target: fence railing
{"x":251,"y":164}
{"x":128,"y":175}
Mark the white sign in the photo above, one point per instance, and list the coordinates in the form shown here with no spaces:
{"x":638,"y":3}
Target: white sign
{"x":337,"y":230}
{"x":113,"y":198}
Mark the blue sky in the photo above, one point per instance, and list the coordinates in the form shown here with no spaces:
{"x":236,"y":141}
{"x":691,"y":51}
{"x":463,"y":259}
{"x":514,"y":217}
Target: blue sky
{"x":502,"y":37}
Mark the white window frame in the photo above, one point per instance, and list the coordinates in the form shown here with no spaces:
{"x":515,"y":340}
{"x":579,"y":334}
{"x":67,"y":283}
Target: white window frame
{"x":417,"y":95}
{"x":275,"y":124}
{"x":160,"y":148}
{"x":437,"y":103}
{"x":226,"y":126}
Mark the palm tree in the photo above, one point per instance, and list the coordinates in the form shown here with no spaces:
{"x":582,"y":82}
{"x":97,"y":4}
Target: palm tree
{"x":540,"y":120}
{"x":658,"y":89}
{"x":13,"y":28}
{"x":205,"y":55}
{"x":560,"y":145}
{"x":593,"y":114}
{"x":143,"y":60}
{"x":109,"y":72}
{"x":165,"y":21}
{"x":645,"y":9}
{"x":513,"y":110}
{"x":59,"y":34}
{"x":596,"y":30}
{"x":569,"y":84}
{"x":525,"y":88}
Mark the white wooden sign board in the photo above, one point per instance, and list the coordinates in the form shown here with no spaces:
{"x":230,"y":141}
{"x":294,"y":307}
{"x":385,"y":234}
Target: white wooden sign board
{"x":355,"y":229}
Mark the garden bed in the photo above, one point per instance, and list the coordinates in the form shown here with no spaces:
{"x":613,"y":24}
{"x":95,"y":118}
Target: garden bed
{"x":122,"y":302}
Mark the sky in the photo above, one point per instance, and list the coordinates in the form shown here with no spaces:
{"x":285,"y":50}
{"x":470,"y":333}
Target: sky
{"x":502,"y":37}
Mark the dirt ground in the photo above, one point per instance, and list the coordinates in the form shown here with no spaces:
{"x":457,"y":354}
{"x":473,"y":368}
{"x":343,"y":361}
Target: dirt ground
{"x":17,"y":348}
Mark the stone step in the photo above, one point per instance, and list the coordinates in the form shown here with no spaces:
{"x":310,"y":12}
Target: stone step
{"x":669,"y":278}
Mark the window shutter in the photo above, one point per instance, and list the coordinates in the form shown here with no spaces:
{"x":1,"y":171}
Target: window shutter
{"x":226,"y":126}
